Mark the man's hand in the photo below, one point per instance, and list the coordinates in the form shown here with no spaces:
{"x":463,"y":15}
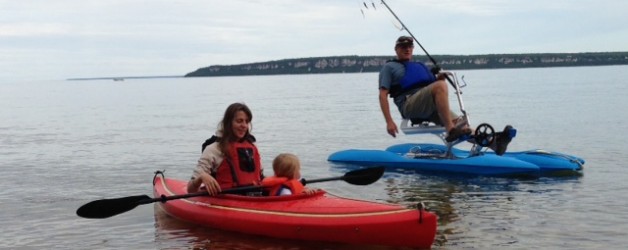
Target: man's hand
{"x":391,"y":127}
{"x":441,"y":76}
{"x":435,"y":70}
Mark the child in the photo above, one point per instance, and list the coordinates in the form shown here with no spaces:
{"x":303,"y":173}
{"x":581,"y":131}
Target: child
{"x":286,"y":180}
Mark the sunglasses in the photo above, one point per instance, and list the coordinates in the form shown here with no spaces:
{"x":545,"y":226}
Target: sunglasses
{"x":405,"y":46}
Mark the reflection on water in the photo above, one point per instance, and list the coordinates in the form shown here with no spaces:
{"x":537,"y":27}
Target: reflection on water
{"x":171,"y":233}
{"x":474,"y":210}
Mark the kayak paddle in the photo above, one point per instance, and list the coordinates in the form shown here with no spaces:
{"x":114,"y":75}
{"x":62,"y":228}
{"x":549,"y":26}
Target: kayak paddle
{"x":105,"y":208}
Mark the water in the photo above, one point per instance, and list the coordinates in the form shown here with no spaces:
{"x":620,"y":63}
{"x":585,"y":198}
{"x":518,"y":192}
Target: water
{"x":65,"y":143}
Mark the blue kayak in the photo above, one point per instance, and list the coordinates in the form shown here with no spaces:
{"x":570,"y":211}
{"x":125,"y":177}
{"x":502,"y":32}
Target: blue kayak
{"x":431,"y":157}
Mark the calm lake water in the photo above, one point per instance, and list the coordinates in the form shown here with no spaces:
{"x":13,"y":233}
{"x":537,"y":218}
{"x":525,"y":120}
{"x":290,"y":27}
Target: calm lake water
{"x":65,"y":143}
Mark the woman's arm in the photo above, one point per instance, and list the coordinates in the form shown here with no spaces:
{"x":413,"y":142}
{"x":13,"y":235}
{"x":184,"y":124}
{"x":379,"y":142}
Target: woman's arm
{"x":206,"y":165}
{"x":203,"y":178}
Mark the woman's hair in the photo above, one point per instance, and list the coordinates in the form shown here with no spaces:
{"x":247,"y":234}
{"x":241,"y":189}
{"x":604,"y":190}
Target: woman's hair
{"x":285,"y":164}
{"x":226,"y":125}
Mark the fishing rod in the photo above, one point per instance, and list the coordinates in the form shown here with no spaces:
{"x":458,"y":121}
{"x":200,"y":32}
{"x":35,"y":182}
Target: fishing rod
{"x":403,"y":26}
{"x":436,"y":68}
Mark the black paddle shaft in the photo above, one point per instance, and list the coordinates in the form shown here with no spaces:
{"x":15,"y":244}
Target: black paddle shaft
{"x":100,"y":209}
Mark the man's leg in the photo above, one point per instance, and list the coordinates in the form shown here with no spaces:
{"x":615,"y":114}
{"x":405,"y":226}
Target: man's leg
{"x":421,"y":104}
{"x":433,"y":99}
{"x":441,"y":99}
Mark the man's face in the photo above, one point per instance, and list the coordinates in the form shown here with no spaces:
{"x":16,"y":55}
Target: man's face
{"x":404,"y":51}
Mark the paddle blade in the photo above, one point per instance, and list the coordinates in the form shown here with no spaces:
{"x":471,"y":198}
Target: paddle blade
{"x":364,"y":176}
{"x":106,"y":208}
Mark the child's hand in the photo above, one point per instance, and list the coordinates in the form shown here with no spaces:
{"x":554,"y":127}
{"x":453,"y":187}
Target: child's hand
{"x":310,"y":190}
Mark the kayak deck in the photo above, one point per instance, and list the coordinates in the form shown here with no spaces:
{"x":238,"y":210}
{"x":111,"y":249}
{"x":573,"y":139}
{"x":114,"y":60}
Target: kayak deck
{"x":319,"y":216}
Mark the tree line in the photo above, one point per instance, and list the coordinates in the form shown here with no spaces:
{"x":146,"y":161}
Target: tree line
{"x":354,"y":64}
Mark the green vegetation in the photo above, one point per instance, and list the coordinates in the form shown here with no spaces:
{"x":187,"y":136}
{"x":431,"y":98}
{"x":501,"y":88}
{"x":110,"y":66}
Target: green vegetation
{"x":352,"y":64}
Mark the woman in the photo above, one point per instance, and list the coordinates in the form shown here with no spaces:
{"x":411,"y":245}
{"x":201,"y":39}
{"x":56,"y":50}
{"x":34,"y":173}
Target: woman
{"x":232,"y":159}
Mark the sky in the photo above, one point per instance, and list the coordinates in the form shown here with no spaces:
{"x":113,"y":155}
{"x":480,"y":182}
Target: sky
{"x":61,"y":39}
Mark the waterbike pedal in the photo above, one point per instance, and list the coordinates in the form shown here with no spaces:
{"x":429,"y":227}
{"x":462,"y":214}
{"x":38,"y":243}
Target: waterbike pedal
{"x":511,"y":133}
{"x":462,"y":138}
{"x":508,"y":132}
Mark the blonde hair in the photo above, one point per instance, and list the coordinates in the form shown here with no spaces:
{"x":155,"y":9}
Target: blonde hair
{"x":285,"y":165}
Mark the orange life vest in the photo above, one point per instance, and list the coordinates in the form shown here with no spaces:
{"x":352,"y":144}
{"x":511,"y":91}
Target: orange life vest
{"x":274,"y":184}
{"x":241,"y":167}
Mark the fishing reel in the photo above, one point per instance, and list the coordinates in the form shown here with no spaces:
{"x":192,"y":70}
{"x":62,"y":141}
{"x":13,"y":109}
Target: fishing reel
{"x":484,"y":135}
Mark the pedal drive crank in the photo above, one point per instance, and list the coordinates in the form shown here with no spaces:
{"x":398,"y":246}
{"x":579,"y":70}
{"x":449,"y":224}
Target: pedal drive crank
{"x":484,"y":135}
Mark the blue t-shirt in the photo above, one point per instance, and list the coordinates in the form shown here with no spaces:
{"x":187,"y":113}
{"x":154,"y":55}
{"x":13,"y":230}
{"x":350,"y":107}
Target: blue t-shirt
{"x":390,"y":74}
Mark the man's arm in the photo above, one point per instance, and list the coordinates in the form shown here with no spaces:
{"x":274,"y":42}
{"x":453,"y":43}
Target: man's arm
{"x":391,"y":127}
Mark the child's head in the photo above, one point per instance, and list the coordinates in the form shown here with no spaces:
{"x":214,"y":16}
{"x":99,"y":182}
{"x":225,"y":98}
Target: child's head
{"x":287,"y":165}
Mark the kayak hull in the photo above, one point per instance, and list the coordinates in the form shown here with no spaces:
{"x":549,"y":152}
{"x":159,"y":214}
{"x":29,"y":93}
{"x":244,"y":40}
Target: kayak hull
{"x":524,"y":163}
{"x":317,"y":217}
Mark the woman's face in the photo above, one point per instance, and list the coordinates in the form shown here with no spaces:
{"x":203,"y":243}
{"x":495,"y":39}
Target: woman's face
{"x":240,"y":124}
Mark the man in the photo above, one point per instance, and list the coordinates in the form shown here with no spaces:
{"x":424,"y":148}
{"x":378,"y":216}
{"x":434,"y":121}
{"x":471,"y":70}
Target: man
{"x":419,"y":94}
{"x":416,"y":92}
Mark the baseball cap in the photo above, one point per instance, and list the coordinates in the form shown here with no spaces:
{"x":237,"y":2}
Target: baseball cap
{"x":404,"y":40}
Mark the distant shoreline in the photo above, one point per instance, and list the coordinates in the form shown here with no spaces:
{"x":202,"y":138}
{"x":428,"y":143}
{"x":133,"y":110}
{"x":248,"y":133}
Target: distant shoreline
{"x":119,"y":78}
{"x":365,"y":64}
{"x":358,"y":64}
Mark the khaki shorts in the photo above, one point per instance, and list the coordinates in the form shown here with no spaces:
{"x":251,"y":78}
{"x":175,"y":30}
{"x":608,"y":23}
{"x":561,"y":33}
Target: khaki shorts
{"x":421,"y":105}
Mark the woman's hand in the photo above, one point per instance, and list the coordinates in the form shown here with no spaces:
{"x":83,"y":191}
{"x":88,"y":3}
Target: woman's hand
{"x":210,"y":184}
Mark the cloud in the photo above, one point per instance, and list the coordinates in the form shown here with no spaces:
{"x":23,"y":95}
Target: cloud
{"x":64,"y":39}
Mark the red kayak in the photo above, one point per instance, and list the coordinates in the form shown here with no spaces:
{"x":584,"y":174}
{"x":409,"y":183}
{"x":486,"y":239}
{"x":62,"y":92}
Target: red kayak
{"x":318,"y":217}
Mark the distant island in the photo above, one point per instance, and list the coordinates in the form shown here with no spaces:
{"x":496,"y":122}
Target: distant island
{"x":119,"y":78}
{"x":354,"y":64}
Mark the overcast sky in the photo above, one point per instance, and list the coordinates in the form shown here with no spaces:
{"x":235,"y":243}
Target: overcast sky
{"x":59,"y":39}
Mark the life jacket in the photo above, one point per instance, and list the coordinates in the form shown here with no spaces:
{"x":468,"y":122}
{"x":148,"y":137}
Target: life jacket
{"x":274,"y":184}
{"x":417,"y":75}
{"x":241,"y":166}
{"x":214,"y":138}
